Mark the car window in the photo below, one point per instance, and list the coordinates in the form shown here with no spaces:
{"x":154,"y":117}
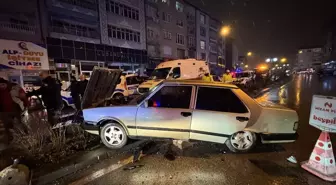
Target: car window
{"x":176,"y":72}
{"x":172,"y":97}
{"x":219,"y":99}
{"x":132,"y":80}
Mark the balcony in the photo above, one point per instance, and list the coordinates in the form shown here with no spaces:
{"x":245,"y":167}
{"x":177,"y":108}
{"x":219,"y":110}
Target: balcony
{"x":22,"y":28}
{"x":78,"y":32}
{"x":87,"y":4}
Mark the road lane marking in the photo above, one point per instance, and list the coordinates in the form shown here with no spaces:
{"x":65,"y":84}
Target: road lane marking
{"x":109,"y":169}
{"x":97,"y":174}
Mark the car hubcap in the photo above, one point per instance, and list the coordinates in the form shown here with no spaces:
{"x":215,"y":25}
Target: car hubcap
{"x":242,"y":140}
{"x":114,"y":135}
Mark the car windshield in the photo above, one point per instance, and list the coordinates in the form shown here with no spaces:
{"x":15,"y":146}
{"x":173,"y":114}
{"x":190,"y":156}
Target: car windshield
{"x":140,"y":98}
{"x":160,"y":73}
{"x":242,"y":75}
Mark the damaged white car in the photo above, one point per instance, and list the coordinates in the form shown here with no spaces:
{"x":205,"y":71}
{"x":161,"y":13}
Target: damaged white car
{"x":194,"y":110}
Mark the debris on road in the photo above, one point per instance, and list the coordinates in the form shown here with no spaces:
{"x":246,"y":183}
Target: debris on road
{"x":292,"y":159}
{"x":133,"y":167}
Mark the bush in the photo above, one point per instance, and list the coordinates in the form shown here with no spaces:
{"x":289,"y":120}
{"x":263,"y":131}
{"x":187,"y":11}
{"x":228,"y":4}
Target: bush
{"x":40,"y":143}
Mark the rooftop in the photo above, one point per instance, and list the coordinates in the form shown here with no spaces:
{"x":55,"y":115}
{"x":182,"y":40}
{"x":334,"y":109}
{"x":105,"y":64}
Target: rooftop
{"x":200,"y":82}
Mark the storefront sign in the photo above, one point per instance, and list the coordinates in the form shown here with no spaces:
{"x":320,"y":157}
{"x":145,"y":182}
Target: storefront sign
{"x":323,"y":113}
{"x":22,"y":55}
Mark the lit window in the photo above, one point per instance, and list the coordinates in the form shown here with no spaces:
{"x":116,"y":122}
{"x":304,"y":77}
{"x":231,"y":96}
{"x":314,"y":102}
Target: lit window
{"x":202,"y":44}
{"x":179,"y":6}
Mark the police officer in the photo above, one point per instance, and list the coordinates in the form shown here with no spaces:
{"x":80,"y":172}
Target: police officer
{"x":74,"y":89}
{"x":227,"y":77}
{"x":207,"y":77}
{"x":51,"y":96}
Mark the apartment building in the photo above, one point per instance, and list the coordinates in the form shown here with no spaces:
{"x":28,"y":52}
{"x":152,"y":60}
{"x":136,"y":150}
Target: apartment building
{"x":166,"y":23}
{"x":88,"y":33}
{"x":21,"y":20}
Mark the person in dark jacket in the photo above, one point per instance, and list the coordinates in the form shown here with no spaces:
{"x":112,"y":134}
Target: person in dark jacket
{"x":51,"y":96}
{"x":74,"y":89}
{"x":82,"y":84}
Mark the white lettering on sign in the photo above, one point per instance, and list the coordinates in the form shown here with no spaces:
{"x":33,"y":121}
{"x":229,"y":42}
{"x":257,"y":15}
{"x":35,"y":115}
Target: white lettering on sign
{"x":323,"y":113}
{"x":22,"y":55}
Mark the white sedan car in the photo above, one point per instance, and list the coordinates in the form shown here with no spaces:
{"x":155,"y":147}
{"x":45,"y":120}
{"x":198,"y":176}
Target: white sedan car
{"x":194,"y":110}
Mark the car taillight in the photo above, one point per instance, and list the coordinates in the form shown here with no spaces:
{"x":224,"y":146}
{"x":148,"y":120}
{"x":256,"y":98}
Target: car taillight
{"x":296,"y":126}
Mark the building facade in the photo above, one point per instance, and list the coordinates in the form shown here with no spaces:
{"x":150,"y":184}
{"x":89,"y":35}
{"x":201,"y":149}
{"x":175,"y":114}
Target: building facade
{"x":309,"y":58}
{"x":126,"y":34}
{"x":88,"y":33}
{"x":167,"y":32}
{"x":21,"y":20}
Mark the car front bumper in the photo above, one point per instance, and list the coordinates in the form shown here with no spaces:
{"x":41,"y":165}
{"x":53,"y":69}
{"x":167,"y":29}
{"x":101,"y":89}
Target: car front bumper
{"x":279,"y":138}
{"x":90,"y":127}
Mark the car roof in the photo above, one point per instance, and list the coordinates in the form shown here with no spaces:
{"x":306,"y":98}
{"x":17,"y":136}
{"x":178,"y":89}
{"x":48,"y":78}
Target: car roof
{"x":200,"y":82}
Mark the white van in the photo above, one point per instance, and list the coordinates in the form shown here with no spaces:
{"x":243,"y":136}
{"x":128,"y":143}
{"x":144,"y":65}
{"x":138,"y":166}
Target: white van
{"x":176,"y":69}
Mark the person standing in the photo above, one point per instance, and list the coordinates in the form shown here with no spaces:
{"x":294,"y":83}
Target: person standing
{"x":227,"y":77}
{"x":207,"y":77}
{"x":13,"y":103}
{"x":74,"y":90}
{"x":51,"y":96}
{"x":82,"y":84}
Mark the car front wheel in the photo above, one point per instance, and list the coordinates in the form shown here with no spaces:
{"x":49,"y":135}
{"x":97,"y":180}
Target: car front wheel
{"x":242,"y":141}
{"x":113,"y":135}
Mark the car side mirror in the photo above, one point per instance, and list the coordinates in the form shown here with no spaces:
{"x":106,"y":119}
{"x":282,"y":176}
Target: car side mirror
{"x":146,"y":103}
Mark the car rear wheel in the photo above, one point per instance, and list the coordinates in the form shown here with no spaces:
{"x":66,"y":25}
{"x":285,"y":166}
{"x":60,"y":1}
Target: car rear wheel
{"x":242,"y":141}
{"x":113,"y":135}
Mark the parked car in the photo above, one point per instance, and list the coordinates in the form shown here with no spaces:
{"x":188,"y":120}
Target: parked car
{"x":194,"y":110}
{"x":245,"y":78}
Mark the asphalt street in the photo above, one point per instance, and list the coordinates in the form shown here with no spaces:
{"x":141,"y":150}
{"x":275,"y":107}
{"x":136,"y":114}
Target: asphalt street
{"x":206,"y":163}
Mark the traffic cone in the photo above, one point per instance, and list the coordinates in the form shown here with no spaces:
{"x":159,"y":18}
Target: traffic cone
{"x":322,"y":161}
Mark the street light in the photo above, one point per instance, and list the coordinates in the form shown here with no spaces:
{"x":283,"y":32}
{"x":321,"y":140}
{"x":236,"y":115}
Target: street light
{"x":249,"y":53}
{"x":246,"y":66}
{"x":275,"y":59}
{"x":284,"y":60}
{"x":225,"y":30}
{"x":268,"y":60}
{"x":242,"y":63}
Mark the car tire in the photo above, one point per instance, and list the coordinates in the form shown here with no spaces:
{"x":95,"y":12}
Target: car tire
{"x":113,"y":135}
{"x":242,"y":141}
{"x":119,"y":98}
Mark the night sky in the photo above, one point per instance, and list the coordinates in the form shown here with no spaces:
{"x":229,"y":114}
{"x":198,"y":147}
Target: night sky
{"x":274,"y":27}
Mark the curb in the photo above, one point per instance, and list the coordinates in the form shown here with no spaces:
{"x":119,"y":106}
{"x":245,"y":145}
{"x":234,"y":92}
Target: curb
{"x":87,"y":160}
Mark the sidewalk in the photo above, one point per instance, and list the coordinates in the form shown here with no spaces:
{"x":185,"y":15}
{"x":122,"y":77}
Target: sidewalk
{"x":51,"y":172}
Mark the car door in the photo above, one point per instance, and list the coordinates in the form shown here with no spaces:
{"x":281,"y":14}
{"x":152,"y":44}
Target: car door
{"x":168,"y":114}
{"x":132,"y":84}
{"x":218,"y":114}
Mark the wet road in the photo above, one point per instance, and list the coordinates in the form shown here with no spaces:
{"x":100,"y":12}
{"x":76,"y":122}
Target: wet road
{"x":206,"y":163}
